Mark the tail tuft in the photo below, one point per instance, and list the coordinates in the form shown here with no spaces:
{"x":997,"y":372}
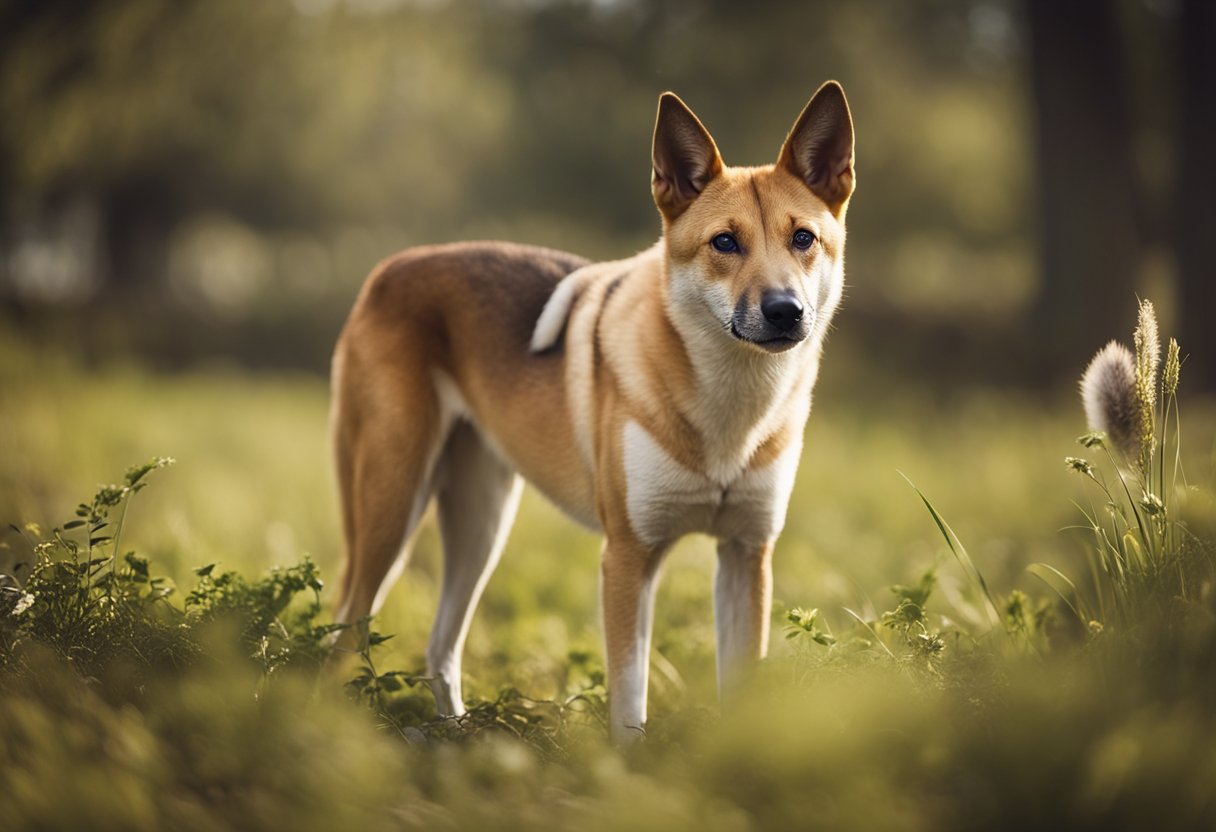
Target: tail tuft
{"x":552,"y":322}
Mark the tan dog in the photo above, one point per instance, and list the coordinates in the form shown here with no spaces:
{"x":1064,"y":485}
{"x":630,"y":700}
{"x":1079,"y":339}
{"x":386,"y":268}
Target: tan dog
{"x":648,"y":397}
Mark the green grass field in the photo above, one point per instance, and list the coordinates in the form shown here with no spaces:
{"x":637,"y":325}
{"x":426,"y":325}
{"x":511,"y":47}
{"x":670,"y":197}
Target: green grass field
{"x":1059,"y":728}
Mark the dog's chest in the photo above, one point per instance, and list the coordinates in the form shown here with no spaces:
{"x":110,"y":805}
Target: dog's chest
{"x":667,"y":500}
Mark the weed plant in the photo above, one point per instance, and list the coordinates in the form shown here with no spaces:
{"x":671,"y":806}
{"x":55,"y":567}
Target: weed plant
{"x":105,"y":615}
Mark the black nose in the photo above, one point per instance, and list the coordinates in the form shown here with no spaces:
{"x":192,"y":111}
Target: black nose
{"x":781,"y":309}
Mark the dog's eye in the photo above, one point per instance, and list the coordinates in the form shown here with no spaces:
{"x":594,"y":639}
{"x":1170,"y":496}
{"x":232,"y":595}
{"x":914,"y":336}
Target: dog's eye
{"x":803,"y":239}
{"x":725,"y":243}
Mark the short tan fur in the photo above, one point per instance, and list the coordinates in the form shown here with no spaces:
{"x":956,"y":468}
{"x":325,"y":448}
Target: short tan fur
{"x":649,"y":397}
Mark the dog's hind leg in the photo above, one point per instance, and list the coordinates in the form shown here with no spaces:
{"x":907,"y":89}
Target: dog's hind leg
{"x":478,"y":495}
{"x":387,"y":439}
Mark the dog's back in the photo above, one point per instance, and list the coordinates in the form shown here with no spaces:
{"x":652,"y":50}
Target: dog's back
{"x":432,"y":289}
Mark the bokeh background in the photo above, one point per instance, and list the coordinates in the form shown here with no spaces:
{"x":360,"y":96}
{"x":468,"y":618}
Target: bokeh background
{"x":225,"y":173}
{"x":192,"y":192}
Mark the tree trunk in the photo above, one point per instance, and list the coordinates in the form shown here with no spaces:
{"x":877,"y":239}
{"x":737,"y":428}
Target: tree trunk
{"x":1196,"y":192}
{"x":136,"y":223}
{"x":1089,"y":240}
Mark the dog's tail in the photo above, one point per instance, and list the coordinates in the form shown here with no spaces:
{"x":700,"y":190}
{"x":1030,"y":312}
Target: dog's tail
{"x":552,"y":320}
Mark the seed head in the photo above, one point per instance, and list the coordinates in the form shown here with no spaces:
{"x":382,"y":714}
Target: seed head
{"x":1152,"y":504}
{"x":1148,"y":358}
{"x":1079,"y":465}
{"x":1173,"y":369}
{"x":1108,"y":391}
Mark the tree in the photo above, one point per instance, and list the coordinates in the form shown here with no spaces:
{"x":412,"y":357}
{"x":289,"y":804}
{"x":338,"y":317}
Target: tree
{"x":1089,"y":234}
{"x":1196,"y":188}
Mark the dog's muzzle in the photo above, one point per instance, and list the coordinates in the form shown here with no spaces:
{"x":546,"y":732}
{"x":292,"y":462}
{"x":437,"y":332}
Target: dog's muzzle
{"x":780,"y":322}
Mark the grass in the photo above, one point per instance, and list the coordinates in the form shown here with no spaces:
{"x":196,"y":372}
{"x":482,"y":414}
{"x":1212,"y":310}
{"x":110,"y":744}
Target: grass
{"x":923,"y":708}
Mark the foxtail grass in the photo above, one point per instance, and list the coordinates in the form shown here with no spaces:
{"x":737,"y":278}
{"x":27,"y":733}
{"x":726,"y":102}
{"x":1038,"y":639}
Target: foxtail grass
{"x":1142,"y":551}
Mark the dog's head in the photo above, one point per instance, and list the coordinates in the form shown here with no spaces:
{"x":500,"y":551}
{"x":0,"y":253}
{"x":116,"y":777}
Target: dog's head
{"x":757,"y":253}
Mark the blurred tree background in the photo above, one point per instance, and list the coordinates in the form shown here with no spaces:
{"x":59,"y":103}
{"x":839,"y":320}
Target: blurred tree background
{"x":212,"y":179}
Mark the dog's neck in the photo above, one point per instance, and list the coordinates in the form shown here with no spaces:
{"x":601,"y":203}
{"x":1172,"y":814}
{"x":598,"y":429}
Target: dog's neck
{"x":742,"y":395}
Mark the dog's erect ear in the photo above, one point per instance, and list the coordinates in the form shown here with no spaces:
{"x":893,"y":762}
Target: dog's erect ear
{"x":819,"y":149}
{"x":685,"y":157}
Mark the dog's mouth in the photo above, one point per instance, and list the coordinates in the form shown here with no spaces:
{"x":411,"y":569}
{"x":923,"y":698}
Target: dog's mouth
{"x":779,"y":343}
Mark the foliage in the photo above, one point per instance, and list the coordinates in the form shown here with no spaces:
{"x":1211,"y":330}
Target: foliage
{"x":274,"y":633}
{"x":98,"y":612}
{"x":89,"y":605}
{"x":546,"y":726}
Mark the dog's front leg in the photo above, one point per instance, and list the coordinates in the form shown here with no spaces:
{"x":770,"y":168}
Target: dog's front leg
{"x":743,"y":599}
{"x":630,"y":573}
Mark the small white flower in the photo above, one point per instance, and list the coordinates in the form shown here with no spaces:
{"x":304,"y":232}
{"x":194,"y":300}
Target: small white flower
{"x":23,"y":603}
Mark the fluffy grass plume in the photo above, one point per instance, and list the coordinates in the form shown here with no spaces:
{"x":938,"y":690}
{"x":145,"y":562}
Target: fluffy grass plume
{"x":1109,"y":391}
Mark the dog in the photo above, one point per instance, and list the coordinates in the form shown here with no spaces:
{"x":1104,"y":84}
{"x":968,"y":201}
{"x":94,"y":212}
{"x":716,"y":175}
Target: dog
{"x":649,"y":397}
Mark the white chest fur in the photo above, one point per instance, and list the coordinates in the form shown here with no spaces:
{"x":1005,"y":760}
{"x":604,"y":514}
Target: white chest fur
{"x":667,"y":500}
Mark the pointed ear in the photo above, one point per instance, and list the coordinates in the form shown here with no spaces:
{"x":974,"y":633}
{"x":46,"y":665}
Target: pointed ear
{"x":685,"y":157}
{"x":819,"y":149}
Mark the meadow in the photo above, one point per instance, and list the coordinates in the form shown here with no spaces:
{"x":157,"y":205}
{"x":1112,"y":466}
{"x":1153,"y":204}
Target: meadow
{"x":897,"y":701}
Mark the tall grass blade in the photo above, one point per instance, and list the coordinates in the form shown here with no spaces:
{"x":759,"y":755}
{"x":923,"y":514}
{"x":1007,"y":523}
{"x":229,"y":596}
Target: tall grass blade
{"x":960,"y":553}
{"x":1045,"y":572}
{"x":866,"y":624}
